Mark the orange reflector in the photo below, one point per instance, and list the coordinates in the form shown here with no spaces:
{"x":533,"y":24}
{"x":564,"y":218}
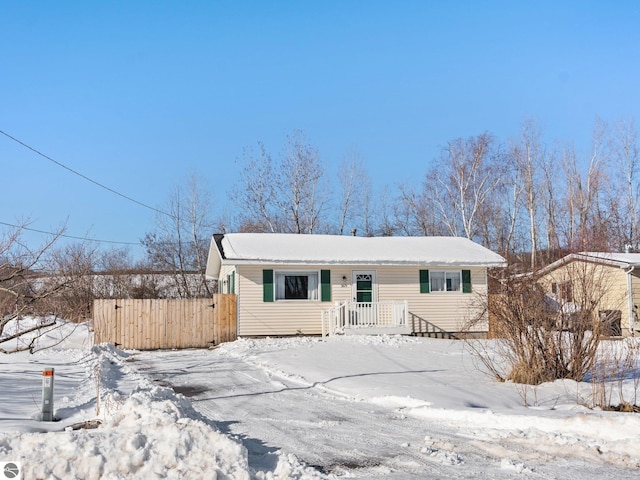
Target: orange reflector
{"x":48,"y":372}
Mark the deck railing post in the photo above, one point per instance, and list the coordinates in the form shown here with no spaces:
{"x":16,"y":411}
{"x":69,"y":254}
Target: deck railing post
{"x":323,"y":330}
{"x":405,"y":314}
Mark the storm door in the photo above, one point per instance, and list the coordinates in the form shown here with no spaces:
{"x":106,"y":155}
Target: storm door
{"x":364,"y":294}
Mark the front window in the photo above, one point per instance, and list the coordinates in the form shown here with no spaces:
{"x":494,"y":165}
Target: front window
{"x":296,"y":285}
{"x":445,"y":281}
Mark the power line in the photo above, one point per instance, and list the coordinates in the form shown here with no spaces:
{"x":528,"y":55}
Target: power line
{"x":84,"y":176}
{"x":22,"y":227}
{"x":109,"y":189}
{"x":85,"y":239}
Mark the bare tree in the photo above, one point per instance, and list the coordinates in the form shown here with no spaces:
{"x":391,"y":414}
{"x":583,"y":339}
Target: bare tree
{"x":74,"y":264}
{"x":353,"y":181}
{"x":256,"y":195}
{"x":508,"y":218}
{"x":287,"y":196}
{"x":180,"y":242}
{"x":368,"y":209}
{"x":532,"y":204}
{"x":462,"y":184}
{"x":627,"y":155}
{"x":584,"y":195}
{"x":300,"y":192}
{"x":386,"y":219}
{"x":415,"y":213}
{"x":30,"y":284}
{"x":550,"y":204}
{"x":527,"y":156}
{"x":118,"y":276}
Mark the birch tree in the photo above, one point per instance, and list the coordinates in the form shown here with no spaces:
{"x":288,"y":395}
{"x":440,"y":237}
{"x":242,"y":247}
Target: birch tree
{"x":527,"y":156}
{"x":463,"y":182}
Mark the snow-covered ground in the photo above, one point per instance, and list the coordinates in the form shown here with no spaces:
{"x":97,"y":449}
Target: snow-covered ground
{"x":367,"y":407}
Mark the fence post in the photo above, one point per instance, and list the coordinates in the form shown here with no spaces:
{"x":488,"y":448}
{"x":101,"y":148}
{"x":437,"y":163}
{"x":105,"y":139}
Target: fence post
{"x":47,"y":395}
{"x":335,"y":318}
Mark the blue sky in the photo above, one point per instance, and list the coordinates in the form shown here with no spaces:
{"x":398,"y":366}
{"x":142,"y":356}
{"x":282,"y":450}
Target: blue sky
{"x":139,"y":95}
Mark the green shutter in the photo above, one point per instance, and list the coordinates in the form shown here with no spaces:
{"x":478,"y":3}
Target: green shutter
{"x":267,"y":285}
{"x":424,"y":281}
{"x":233,"y":282}
{"x":325,"y":285}
{"x":466,"y":281}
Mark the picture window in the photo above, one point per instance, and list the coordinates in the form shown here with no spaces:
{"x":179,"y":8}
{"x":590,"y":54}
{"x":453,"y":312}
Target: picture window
{"x":296,"y":285}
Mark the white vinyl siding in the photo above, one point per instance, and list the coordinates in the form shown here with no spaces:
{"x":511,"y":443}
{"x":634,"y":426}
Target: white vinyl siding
{"x":450,"y":312}
{"x":259,"y":318}
{"x":228,"y":279}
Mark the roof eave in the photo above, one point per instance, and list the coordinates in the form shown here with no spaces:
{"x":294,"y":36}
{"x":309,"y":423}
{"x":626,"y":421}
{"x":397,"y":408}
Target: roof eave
{"x":215,"y":259}
{"x":586,"y":258}
{"x":390,"y":263}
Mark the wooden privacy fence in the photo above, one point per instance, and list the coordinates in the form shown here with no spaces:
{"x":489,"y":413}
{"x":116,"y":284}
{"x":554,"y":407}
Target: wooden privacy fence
{"x":165,"y":323}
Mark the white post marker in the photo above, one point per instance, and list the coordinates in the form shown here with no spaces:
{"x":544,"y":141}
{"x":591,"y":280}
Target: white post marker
{"x":47,"y":395}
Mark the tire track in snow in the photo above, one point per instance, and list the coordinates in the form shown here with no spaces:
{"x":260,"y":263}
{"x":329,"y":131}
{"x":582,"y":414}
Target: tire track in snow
{"x":270,"y":412}
{"x":336,"y":435}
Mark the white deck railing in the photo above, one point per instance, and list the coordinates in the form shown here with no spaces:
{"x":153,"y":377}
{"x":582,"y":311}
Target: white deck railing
{"x":365,"y":315}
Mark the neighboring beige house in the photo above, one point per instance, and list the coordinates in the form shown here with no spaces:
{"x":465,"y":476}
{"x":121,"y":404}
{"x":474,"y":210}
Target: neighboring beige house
{"x":611,"y":279}
{"x":289,"y":284}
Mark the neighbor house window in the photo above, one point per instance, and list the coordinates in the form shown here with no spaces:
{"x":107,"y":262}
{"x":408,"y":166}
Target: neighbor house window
{"x":297,"y":285}
{"x":563,"y":291}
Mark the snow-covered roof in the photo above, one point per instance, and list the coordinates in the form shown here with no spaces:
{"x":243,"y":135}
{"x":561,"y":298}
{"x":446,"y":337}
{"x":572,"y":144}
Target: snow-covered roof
{"x":621,"y":260}
{"x":291,"y":249}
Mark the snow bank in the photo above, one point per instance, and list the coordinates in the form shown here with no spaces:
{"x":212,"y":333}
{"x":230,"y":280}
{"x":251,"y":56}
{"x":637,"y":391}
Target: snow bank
{"x":150,"y":436}
{"x":145,"y":431}
{"x":149,"y":433}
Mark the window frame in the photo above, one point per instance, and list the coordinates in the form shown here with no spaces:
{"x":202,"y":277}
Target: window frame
{"x":445,"y":273}
{"x":297,"y":273}
{"x":563,"y":291}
